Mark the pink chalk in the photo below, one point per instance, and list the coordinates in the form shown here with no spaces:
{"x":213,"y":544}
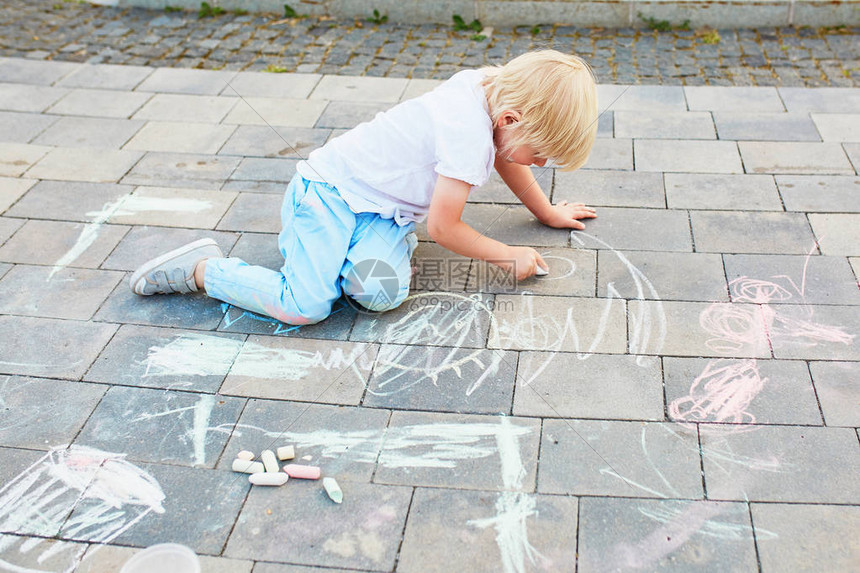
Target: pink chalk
{"x":302,"y":472}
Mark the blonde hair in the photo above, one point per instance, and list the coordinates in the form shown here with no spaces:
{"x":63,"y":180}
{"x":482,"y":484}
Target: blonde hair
{"x":556,"y":97}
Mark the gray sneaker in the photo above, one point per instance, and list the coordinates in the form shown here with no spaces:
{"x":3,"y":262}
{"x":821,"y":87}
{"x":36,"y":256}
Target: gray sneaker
{"x":174,"y":271}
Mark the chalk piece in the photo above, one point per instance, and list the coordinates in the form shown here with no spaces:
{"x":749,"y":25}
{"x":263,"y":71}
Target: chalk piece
{"x":269,"y":461}
{"x":245,"y":455}
{"x":307,"y":458}
{"x":540,"y":272}
{"x":333,"y":490}
{"x":268,"y":478}
{"x":246,"y":467}
{"x":286,"y":453}
{"x":302,"y":472}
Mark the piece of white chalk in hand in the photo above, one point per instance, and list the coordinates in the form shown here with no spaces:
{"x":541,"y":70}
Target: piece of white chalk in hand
{"x":286,"y":453}
{"x":269,"y":461}
{"x":268,"y":478}
{"x":332,"y":489}
{"x":245,"y":455}
{"x":246,"y":467}
{"x":539,"y":272}
{"x":302,"y":472}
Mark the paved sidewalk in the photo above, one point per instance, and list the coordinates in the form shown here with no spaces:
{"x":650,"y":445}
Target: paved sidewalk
{"x":680,"y":393}
{"x":803,"y":57}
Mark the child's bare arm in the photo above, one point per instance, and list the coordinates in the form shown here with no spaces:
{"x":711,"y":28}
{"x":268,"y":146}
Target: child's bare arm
{"x":446,"y":228}
{"x":520,"y":179}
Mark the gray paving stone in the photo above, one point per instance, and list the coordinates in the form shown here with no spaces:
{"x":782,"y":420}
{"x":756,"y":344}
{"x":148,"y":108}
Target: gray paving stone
{"x":16,"y":127}
{"x":440,"y":379}
{"x":436,"y":269}
{"x":459,"y":450}
{"x":363,"y":532}
{"x":782,"y":463}
{"x":182,"y":170}
{"x":526,"y":322}
{"x":593,"y":386}
{"x":819,"y":193}
{"x":611,"y":154}
{"x":341,"y":114}
{"x":751,"y":232}
{"x":417,"y":87}
{"x":687,"y":156}
{"x":432,"y":319}
{"x":180,"y":137}
{"x":170,"y":207}
{"x":641,"y":98}
{"x":69,"y":201}
{"x":664,"y":535}
{"x":8,"y":227}
{"x":260,"y":567}
{"x":85,"y":164}
{"x":496,"y":191}
{"x":162,"y":426}
{"x":266,"y":169}
{"x":183,"y":81}
{"x":815,"y":332}
{"x":99,"y":103}
{"x":661,"y":276}
{"x":258,"y":249}
{"x":826,"y":100}
{"x":610,"y":188}
{"x":166,"y":358}
{"x":316,"y":371}
{"x":791,"y":279}
{"x":665,"y":125}
{"x":19,"y":157}
{"x":144,"y":243}
{"x":639,"y":229}
{"x":285,"y":112}
{"x":766,"y":126}
{"x":853,"y":152}
{"x":645,"y":459}
{"x":343,"y":441}
{"x":254,"y":212}
{"x":4,"y":268}
{"x":275,"y":141}
{"x":43,"y":413}
{"x":450,"y":530}
{"x":204,"y":527}
{"x":734,"y":99}
{"x":26,"y":552}
{"x":11,"y":189}
{"x":252,"y":84}
{"x":739,"y":391}
{"x":13,"y":461}
{"x":359,"y":89}
{"x":40,"y":291}
{"x":512,"y":225}
{"x":794,"y":158}
{"x":197,"y":311}
{"x":19,"y":97}
{"x":698,"y":329}
{"x":801,"y":537}
{"x":89,"y":132}
{"x":34,"y":72}
{"x":106,"y":76}
{"x":838,"y":394}
{"x":186,"y":108}
{"x":74,"y":345}
{"x":571,"y":273}
{"x":837,"y":233}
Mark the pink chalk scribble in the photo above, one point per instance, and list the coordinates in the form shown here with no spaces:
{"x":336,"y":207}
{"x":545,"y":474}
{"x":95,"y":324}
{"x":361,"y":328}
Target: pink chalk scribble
{"x":721,"y":393}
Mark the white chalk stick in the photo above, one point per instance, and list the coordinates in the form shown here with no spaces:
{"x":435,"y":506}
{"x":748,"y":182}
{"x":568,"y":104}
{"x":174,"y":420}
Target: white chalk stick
{"x":332,"y":489}
{"x":245,"y":455}
{"x":269,"y":461}
{"x":246,"y":467}
{"x":302,"y":472}
{"x":268,"y":478}
{"x":286,"y":453}
{"x":539,"y":272}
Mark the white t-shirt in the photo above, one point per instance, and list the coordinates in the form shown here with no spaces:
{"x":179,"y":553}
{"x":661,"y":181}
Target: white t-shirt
{"x":389,"y":165}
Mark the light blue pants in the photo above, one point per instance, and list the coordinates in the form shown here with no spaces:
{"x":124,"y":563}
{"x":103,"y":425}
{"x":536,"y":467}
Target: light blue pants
{"x":327,"y":250}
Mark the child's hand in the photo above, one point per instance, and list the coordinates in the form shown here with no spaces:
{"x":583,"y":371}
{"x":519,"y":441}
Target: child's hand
{"x":565,"y":215}
{"x":523,"y":262}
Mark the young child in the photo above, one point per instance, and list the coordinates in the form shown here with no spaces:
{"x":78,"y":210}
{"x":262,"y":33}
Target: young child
{"x":353,"y":205}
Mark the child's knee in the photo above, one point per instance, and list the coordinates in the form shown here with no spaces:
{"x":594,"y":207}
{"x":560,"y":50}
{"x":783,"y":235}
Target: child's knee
{"x":302,"y":314}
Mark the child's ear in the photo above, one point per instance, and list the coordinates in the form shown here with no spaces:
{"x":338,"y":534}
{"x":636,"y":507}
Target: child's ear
{"x":509,"y":117}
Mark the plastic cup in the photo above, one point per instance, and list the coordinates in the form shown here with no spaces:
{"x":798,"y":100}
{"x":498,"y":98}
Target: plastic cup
{"x":163,"y":558}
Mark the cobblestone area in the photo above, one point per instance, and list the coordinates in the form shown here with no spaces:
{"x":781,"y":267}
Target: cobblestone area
{"x":76,"y":32}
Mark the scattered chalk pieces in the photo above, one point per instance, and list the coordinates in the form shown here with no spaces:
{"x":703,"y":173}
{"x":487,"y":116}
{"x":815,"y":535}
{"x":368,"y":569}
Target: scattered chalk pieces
{"x":286,"y":453}
{"x":332,"y":489}
{"x":269,"y":461}
{"x":246,"y":467}
{"x":302,"y":472}
{"x":245,"y":455}
{"x":268,"y":478}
